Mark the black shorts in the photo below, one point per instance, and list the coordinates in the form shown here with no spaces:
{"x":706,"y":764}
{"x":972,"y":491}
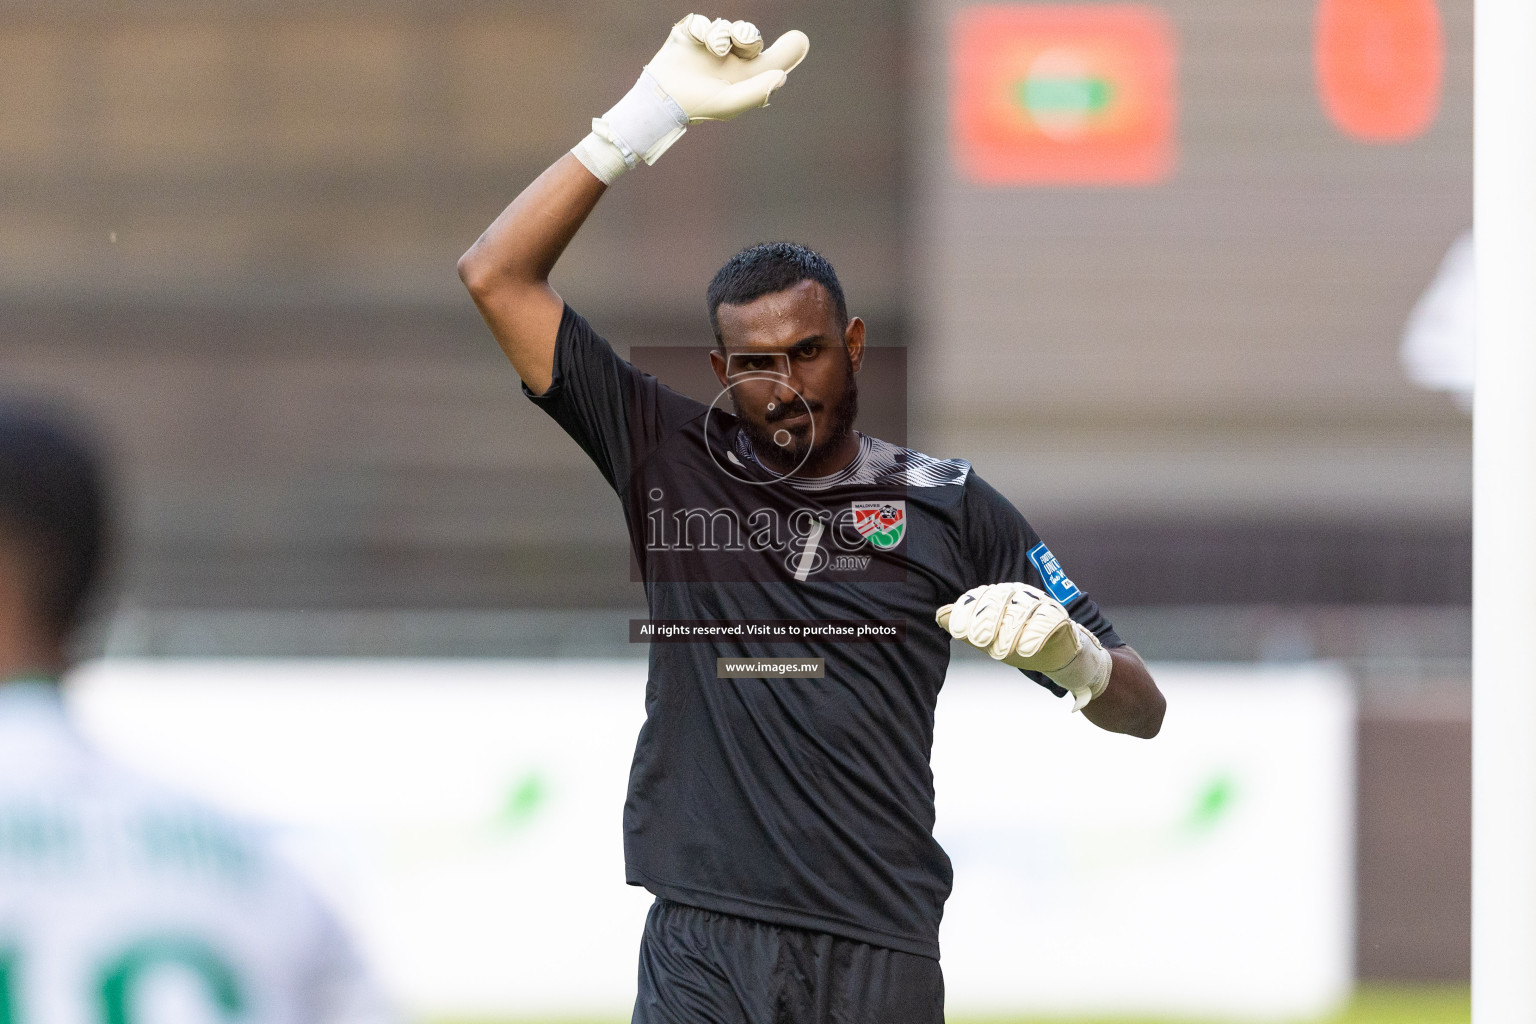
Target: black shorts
{"x":701,"y":967}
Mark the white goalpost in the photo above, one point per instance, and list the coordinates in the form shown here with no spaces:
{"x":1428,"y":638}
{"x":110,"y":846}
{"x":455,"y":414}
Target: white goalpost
{"x":1504,"y":518}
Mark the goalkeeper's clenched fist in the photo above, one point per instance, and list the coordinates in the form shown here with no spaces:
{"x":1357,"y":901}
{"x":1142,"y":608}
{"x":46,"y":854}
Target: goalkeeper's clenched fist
{"x":1026,"y":628}
{"x":706,"y":71}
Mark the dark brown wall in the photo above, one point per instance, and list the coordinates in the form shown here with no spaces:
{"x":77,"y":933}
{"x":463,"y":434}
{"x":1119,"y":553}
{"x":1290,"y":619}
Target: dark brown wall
{"x":229,"y":232}
{"x":350,"y":149}
{"x":1414,"y":830}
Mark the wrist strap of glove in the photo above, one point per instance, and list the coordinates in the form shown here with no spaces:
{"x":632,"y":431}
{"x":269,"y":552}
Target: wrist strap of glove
{"x":1087,"y":674}
{"x":641,"y":126}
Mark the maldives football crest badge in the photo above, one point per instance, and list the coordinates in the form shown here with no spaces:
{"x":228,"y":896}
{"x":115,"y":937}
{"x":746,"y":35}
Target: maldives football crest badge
{"x":882,"y":523}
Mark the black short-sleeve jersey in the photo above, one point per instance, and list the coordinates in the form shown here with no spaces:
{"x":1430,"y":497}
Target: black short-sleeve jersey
{"x":806,"y":802}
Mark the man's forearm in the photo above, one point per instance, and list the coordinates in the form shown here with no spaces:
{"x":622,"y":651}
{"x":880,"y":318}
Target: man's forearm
{"x":1131,"y":703}
{"x":507,"y":269}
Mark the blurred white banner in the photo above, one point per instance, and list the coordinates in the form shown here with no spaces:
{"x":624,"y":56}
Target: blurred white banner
{"x":465,"y":818}
{"x":1206,"y":873}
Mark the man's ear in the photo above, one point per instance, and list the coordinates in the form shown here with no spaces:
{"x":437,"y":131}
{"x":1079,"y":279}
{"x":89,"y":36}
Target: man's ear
{"x":28,"y":643}
{"x":717,"y":363}
{"x":853,"y":337}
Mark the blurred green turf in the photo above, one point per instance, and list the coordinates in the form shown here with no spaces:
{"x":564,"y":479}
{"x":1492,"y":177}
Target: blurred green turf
{"x":1376,"y":1004}
{"x":1371,"y":1005}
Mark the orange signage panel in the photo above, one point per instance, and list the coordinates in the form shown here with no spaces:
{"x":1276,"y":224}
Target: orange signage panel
{"x":1379,"y":64}
{"x":1062,"y":95}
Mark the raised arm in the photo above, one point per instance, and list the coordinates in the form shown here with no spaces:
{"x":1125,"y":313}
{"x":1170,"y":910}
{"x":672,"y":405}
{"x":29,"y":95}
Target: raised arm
{"x":706,"y":71}
{"x":507,"y":269}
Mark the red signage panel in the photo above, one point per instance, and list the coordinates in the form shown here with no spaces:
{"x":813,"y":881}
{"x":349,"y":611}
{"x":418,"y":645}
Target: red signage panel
{"x":1379,"y":65}
{"x":1080,"y":94}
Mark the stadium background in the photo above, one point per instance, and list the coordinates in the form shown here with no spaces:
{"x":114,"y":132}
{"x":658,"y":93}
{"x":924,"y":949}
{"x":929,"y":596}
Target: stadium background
{"x":229,"y":236}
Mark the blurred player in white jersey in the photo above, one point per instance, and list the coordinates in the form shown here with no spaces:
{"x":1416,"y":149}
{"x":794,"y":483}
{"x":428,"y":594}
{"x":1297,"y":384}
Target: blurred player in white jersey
{"x":122,"y":902}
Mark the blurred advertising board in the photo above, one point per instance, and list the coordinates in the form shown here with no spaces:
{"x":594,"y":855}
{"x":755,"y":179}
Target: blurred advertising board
{"x":1063,"y":95}
{"x":1206,"y":873}
{"x":464,"y":816}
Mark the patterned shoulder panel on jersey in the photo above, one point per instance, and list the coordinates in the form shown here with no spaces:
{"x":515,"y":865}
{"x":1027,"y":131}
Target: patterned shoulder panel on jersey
{"x":879,"y":462}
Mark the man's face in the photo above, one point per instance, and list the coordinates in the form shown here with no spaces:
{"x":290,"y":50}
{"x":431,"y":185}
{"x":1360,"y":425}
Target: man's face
{"x":790,"y":368}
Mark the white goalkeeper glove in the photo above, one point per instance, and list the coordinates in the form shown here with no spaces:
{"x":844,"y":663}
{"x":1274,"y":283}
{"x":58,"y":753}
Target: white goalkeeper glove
{"x":706,"y":71}
{"x":1027,"y":628}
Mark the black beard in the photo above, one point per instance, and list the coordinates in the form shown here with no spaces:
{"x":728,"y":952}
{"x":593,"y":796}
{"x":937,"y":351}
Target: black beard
{"x":799,"y":451}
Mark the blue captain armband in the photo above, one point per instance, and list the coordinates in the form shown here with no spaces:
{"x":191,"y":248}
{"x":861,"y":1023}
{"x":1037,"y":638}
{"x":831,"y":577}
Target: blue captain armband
{"x":1052,"y":574}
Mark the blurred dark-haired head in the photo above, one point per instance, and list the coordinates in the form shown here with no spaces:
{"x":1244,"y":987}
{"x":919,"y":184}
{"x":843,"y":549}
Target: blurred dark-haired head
{"x":767,"y":268}
{"x":53,"y":519}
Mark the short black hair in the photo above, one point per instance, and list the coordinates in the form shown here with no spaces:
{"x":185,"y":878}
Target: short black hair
{"x":52,"y":512}
{"x":767,"y":268}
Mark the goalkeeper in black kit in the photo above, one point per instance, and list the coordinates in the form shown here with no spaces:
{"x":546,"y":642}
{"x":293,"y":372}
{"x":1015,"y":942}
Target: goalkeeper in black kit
{"x":783,"y":822}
